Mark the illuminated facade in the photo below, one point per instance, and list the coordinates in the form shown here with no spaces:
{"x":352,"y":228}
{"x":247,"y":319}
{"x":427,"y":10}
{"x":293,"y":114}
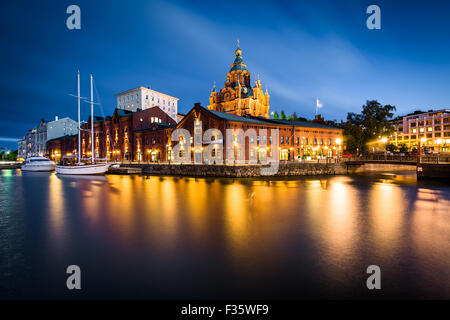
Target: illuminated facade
{"x":146,"y":136}
{"x":135,"y":135}
{"x":144,"y":98}
{"x":238,"y":96}
{"x":431,"y":129}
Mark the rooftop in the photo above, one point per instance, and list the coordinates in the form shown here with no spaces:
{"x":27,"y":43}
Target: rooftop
{"x":147,"y":89}
{"x":260,"y":120}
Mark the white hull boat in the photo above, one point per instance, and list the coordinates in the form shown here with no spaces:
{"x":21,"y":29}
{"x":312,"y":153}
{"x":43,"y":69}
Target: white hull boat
{"x":38,"y":164}
{"x":85,"y":169}
{"x":80,"y":168}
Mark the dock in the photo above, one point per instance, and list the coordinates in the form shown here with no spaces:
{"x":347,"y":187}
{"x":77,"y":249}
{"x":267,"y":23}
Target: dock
{"x":10,"y":165}
{"x":433,"y":171}
{"x":125,"y":170}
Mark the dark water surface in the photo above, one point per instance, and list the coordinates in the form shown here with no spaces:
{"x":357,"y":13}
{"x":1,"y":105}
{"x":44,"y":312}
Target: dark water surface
{"x":167,"y":237}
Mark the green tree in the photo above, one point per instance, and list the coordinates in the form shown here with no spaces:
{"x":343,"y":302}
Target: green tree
{"x":9,"y":156}
{"x":275,"y":115}
{"x":283,"y":115}
{"x":367,"y":126}
{"x":391,"y":147}
{"x":402,"y":148}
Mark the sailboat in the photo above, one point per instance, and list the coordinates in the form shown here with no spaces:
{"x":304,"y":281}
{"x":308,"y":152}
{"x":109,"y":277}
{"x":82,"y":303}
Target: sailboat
{"x":82,"y":168}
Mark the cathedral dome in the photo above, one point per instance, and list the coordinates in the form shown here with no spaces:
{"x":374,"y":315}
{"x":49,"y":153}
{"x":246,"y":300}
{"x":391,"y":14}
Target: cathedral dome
{"x":238,"y":63}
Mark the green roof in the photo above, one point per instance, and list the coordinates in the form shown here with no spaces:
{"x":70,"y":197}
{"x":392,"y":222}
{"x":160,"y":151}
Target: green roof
{"x":308,"y":124}
{"x":260,"y":120}
{"x":123,"y":113}
{"x":233,"y":117}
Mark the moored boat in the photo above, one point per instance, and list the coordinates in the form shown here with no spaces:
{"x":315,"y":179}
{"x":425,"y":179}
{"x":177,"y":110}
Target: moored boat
{"x":83,"y":169}
{"x":38,"y":164}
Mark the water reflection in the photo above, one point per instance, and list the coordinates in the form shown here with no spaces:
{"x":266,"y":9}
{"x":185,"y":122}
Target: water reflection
{"x":212,"y":238}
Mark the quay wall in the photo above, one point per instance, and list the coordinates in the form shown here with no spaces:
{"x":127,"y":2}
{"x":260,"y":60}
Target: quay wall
{"x":433,"y":171}
{"x":240,"y":171}
{"x":380,"y":167}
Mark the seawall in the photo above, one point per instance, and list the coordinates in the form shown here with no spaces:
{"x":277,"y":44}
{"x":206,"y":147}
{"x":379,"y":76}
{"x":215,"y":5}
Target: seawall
{"x":240,"y":171}
{"x":433,"y":171}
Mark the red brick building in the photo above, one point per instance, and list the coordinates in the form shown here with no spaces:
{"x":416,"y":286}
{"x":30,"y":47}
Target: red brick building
{"x":146,"y":136}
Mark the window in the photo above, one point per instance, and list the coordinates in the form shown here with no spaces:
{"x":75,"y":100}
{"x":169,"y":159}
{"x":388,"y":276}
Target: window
{"x":287,"y":139}
{"x":252,"y":139}
{"x":282,"y":139}
{"x":270,"y":139}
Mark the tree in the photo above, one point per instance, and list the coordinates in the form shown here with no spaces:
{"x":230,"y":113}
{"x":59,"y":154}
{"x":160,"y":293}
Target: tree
{"x":391,"y":147}
{"x":9,"y":156}
{"x":275,"y":115}
{"x":367,"y":126}
{"x":403,"y":148}
{"x":294,"y":116}
{"x":283,"y":115}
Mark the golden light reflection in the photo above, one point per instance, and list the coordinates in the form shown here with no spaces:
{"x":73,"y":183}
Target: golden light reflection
{"x":339,"y":219}
{"x":387,"y":210}
{"x":120,"y":204}
{"x":431,"y":224}
{"x":56,"y":209}
{"x":236,"y":215}
{"x":197,"y":191}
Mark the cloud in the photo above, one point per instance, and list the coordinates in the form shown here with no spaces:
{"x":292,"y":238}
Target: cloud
{"x":7,"y":139}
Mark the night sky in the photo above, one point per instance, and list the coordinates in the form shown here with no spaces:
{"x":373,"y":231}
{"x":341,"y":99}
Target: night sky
{"x":302,"y":50}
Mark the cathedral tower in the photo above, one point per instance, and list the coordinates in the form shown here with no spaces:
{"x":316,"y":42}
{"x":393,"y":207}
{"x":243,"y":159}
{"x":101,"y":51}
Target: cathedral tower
{"x":238,"y":96}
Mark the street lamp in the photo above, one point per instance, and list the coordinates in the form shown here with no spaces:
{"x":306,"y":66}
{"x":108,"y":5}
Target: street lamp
{"x":338,"y":142}
{"x":384,"y":141}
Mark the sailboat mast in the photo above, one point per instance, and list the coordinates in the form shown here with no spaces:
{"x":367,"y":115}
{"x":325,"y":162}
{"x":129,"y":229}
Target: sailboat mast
{"x":92,"y":118}
{"x":79,"y":125}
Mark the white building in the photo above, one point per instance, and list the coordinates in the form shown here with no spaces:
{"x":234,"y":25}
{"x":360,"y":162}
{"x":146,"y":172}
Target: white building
{"x":431,"y":129}
{"x":144,"y":98}
{"x":34,"y":142}
{"x":61,"y":127}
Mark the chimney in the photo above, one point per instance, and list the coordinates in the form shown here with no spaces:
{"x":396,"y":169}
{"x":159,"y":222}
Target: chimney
{"x":56,"y":118}
{"x":319,"y":119}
